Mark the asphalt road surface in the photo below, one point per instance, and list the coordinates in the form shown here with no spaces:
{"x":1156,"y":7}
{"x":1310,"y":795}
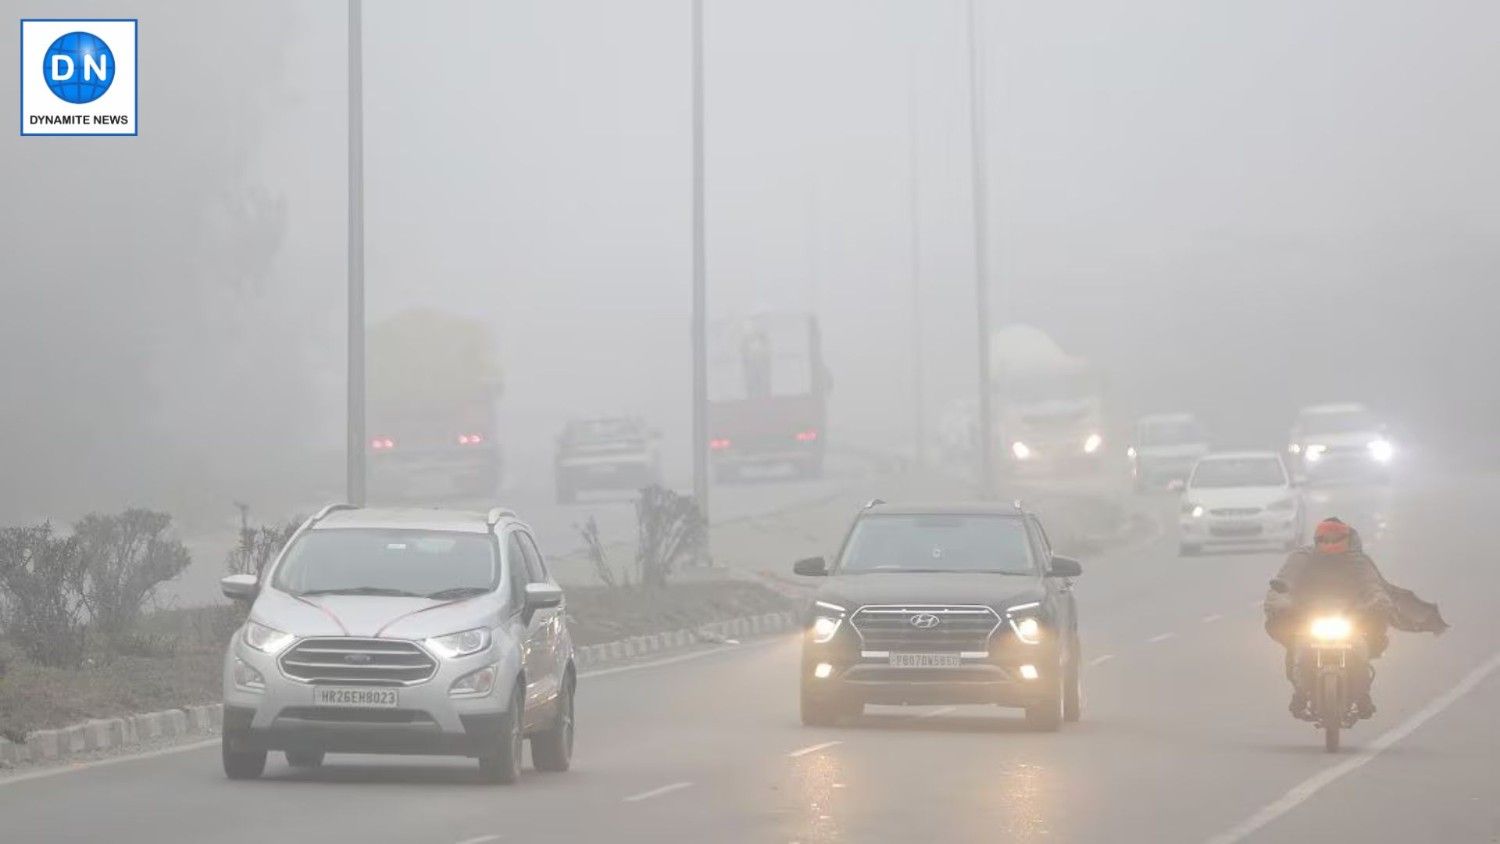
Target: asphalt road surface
{"x":1185,"y":736}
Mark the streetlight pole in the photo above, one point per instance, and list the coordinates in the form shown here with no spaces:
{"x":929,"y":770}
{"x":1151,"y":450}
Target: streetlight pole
{"x":699,"y":328}
{"x":979,"y":191}
{"x":914,"y":201}
{"x":355,"y":444}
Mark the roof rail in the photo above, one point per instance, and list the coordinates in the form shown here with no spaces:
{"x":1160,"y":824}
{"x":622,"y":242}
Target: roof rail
{"x":497,"y":513}
{"x":329,"y":508}
{"x":873,"y":502}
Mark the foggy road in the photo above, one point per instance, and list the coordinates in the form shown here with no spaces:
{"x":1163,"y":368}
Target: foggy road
{"x":1185,"y":735}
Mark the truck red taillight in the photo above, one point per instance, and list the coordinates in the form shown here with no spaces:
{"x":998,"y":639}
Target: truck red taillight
{"x":807,"y":436}
{"x":718,"y":443}
{"x":382,"y":444}
{"x":470,"y":439}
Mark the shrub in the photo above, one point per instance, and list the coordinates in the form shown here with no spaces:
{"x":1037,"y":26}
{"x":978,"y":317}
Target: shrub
{"x":258,"y":546}
{"x":672,"y":532}
{"x":43,"y":578}
{"x":127,"y":558}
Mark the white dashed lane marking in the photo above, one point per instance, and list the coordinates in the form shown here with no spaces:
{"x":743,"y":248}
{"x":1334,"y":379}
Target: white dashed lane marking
{"x":1160,"y":637}
{"x":813,"y":749}
{"x":657,"y":792}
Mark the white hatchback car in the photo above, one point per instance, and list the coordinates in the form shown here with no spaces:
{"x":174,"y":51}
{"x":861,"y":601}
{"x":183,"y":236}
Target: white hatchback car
{"x":401,"y":631}
{"x":1239,"y":499}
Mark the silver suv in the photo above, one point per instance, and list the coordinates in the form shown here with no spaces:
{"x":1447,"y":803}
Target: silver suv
{"x":401,"y":631}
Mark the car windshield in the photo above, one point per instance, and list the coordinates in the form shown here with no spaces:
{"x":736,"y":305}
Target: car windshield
{"x":1171,"y":432}
{"x":1238,"y":471}
{"x":358,"y":561}
{"x":959,"y":543}
{"x":1338,"y":422}
{"x":602,"y":430}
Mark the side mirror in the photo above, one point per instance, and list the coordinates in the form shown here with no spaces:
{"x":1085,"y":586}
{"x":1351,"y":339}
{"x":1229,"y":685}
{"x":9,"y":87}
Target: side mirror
{"x":240,"y":587}
{"x":1176,"y":485}
{"x":543,"y":595}
{"x":1279,"y":585}
{"x":1064,"y":567}
{"x":811,"y":567}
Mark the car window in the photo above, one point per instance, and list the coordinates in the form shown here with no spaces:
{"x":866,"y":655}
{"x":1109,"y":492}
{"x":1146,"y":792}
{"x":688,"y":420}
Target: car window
{"x":515,"y":561}
{"x":536,"y":568}
{"x":391,"y":562}
{"x":1238,"y":471}
{"x":1043,"y":544}
{"x":938,"y":543}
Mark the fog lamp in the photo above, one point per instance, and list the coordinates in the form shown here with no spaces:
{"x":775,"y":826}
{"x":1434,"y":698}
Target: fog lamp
{"x":1028,"y":672}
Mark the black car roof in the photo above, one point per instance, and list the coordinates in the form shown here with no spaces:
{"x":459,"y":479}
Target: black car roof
{"x":969,"y":508}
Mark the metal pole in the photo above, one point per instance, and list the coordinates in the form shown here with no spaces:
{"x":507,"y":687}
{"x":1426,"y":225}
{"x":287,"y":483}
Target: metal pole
{"x":914,"y":199}
{"x":981,"y":252}
{"x":699,"y":329}
{"x":355,"y":443}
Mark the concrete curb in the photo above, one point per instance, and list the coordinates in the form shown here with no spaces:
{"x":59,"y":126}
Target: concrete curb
{"x":105,"y":734}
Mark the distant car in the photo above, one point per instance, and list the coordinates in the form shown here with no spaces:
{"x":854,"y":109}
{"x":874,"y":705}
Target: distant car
{"x":1241,"y":499}
{"x":401,"y":632}
{"x":942,"y":604}
{"x":611,"y":453}
{"x":1340,"y":441}
{"x":1164,"y":449}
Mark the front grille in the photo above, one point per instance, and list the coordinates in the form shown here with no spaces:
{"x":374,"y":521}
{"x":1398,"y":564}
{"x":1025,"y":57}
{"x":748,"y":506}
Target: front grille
{"x":358,"y":662}
{"x":1234,"y":511}
{"x":959,"y":628}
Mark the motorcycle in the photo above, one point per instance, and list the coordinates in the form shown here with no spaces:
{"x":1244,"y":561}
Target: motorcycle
{"x":1326,"y":653}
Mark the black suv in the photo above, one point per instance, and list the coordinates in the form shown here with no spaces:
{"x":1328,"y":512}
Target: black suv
{"x":942,"y":604}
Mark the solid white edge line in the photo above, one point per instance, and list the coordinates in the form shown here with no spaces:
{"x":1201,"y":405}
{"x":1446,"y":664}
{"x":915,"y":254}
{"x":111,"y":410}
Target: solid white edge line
{"x":73,"y":768}
{"x":1100,"y":660}
{"x":656,"y":792}
{"x":480,"y":840}
{"x":1310,"y":786}
{"x":59,"y":770}
{"x":1160,"y":637}
{"x":813,"y":748}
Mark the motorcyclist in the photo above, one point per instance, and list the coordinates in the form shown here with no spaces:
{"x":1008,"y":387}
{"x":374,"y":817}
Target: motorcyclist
{"x":1334,"y":568}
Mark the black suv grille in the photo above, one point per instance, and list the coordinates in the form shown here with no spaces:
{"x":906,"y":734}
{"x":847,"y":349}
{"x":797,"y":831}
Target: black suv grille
{"x":358,"y":662}
{"x":957,"y":628}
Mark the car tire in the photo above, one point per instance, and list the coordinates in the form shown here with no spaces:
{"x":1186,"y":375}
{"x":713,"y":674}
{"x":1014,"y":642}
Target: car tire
{"x":821,"y":710}
{"x":1188,"y":550}
{"x":1046,"y":715}
{"x":1073,"y":687}
{"x":304,"y":758}
{"x":552,"y":750}
{"x":241,"y":764}
{"x":503,"y":764}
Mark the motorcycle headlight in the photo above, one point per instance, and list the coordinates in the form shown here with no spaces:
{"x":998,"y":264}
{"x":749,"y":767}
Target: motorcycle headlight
{"x":1382,"y":451}
{"x":1027,"y":629}
{"x":1020,"y":450}
{"x":1314,"y":453}
{"x":1092,"y":443}
{"x":459,"y":644}
{"x":267,"y":640}
{"x":1282,"y":506}
{"x":1332,"y":628}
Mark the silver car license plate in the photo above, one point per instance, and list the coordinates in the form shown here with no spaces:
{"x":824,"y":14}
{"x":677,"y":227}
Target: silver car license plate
{"x":924,"y":660}
{"x":362,"y":698}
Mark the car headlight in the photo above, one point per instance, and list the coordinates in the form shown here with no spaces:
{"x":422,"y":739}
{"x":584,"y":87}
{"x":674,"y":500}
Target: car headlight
{"x":1020,"y":450}
{"x":1092,"y":443}
{"x":1382,"y":451}
{"x":463,"y":643}
{"x":1130,"y":452}
{"x":1027,"y":629}
{"x":1191,"y":509}
{"x":1294,"y":448}
{"x":1282,"y":506}
{"x":267,"y":640}
{"x":1332,"y":628}
{"x":1314,"y":453}
{"x":824,"y":627}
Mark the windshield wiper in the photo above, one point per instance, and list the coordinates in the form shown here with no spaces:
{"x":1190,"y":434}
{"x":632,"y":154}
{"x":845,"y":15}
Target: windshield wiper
{"x":363,"y":590}
{"x":458,"y":592}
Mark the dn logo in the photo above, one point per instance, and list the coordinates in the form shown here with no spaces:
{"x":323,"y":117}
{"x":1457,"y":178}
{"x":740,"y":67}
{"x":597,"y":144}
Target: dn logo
{"x":79,"y":67}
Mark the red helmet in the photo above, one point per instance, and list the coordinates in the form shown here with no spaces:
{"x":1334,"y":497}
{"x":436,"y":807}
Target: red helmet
{"x":1331,"y":536}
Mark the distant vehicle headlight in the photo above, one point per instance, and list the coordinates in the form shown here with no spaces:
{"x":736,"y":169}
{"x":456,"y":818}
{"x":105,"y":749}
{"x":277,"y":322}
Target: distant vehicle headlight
{"x":463,"y":643}
{"x":1294,"y":448}
{"x":1284,"y":505}
{"x":267,"y":640}
{"x":1332,"y":628}
{"x":1020,"y":450}
{"x":1314,"y":453}
{"x":1191,"y":509}
{"x":1131,"y":452}
{"x":823,"y":628}
{"x":1092,"y":443}
{"x":1382,"y":451}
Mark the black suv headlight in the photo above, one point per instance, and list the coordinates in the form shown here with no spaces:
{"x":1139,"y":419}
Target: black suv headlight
{"x":827,"y":619}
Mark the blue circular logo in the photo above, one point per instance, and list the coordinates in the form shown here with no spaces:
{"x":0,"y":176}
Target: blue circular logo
{"x":79,"y":67}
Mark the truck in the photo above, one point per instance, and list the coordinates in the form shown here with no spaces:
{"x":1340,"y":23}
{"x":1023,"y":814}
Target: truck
{"x":767,"y":394}
{"x":433,"y":383}
{"x":1048,"y":405}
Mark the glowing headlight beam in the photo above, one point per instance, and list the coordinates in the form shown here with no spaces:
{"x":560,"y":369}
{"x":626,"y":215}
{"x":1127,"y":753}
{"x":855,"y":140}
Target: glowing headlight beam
{"x":1332,"y":628}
